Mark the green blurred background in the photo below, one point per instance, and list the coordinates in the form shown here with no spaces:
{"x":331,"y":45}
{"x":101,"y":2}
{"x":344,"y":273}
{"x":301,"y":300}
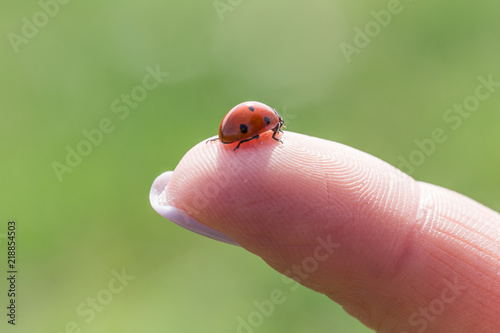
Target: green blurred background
{"x":76,"y":230}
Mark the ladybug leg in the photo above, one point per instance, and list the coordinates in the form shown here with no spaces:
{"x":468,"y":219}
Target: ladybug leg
{"x":276,"y":130}
{"x":239,"y":143}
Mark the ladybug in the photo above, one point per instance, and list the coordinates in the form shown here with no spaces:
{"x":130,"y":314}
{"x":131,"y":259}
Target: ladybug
{"x":246,"y":121}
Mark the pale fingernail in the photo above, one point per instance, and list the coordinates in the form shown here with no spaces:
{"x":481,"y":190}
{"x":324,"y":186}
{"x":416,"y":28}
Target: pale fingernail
{"x":178,"y":216}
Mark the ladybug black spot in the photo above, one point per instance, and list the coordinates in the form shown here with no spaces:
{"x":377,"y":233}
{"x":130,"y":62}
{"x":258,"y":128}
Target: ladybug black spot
{"x":243,"y":128}
{"x":266,"y":119}
{"x":251,"y":108}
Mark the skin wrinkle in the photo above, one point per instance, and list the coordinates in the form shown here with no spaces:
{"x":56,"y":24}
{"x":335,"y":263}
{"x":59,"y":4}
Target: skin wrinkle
{"x":323,"y":175}
{"x":474,"y":302}
{"x":329,"y":194}
{"x":395,"y":234}
{"x":460,"y":241}
{"x":444,"y":221}
{"x":470,"y":283}
{"x":458,"y":222}
{"x":322,"y":161}
{"x":385,"y":204}
{"x":320,"y":174}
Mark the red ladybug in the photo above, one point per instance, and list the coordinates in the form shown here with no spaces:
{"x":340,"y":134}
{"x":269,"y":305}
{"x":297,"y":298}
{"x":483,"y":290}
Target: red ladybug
{"x":246,"y":121}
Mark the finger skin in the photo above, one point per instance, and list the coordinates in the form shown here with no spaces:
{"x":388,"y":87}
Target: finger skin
{"x":408,"y":256}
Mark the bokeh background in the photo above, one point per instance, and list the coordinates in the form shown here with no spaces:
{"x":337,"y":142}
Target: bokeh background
{"x":62,"y":76}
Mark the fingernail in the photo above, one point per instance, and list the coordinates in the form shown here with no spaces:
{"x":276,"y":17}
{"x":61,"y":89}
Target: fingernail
{"x":178,"y":216}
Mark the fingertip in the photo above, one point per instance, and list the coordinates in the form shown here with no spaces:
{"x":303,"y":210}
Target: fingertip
{"x":159,"y":201}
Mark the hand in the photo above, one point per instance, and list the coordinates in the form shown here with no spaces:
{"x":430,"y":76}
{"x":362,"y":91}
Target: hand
{"x":398,"y":254}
